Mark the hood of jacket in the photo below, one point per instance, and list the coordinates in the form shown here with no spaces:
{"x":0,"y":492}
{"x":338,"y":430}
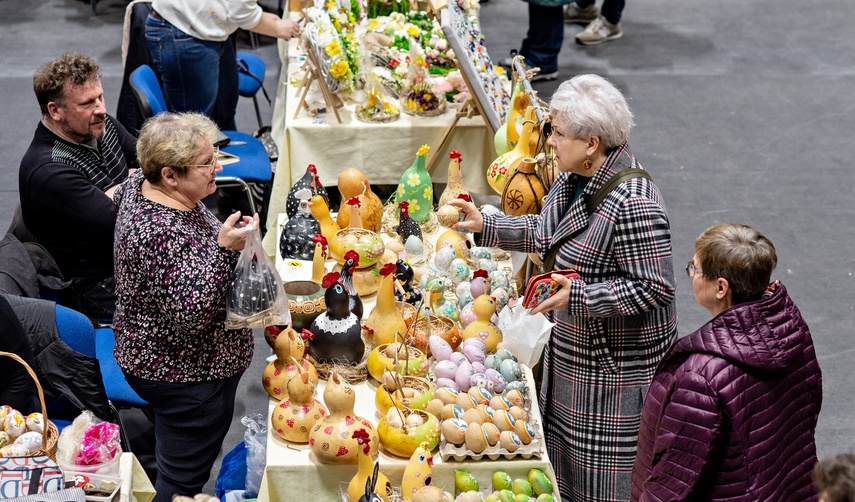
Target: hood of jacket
{"x":767,"y":334}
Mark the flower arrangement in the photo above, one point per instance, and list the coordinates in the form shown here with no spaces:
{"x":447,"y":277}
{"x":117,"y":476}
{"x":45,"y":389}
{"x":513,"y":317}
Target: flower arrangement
{"x":331,"y":50}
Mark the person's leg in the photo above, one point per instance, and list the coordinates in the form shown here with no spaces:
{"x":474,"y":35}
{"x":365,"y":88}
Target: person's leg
{"x":545,"y":36}
{"x":190,"y":423}
{"x":612,"y":10}
{"x":189,"y":68}
{"x":227,"y":94}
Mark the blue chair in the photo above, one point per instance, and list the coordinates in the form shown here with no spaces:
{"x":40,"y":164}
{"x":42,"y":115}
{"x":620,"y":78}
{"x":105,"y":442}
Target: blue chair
{"x":251,"y":69}
{"x":254,"y":164}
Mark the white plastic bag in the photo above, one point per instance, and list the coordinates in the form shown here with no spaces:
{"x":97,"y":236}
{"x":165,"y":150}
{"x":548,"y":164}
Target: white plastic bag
{"x":523,"y":334}
{"x":255,"y":437}
{"x":256,"y":296}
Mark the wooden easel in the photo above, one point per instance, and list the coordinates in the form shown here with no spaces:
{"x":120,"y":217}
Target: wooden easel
{"x":313,"y":73}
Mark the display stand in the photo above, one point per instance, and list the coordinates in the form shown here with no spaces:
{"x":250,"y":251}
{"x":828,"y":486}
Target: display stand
{"x":315,"y":74}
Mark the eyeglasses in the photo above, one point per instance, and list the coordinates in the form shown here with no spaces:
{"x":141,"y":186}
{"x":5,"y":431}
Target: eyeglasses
{"x":691,"y":271}
{"x":208,"y":167}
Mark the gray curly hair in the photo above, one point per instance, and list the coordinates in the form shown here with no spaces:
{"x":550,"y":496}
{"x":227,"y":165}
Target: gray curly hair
{"x":590,"y":105}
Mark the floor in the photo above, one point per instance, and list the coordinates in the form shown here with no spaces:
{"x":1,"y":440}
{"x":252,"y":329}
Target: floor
{"x":743,"y":111}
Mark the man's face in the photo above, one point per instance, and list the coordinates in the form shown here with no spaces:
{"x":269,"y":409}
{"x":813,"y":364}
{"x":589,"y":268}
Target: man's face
{"x":82,"y":114}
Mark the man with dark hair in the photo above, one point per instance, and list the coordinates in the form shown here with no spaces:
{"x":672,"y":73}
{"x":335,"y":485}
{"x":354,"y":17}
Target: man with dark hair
{"x":78,"y":157}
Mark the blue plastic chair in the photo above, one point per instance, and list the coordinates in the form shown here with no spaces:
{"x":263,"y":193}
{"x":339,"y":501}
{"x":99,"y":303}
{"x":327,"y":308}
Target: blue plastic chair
{"x":254,"y":164}
{"x":251,"y":69}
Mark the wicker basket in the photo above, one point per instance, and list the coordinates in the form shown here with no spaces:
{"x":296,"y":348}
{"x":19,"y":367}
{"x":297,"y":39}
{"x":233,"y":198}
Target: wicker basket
{"x":50,"y":435}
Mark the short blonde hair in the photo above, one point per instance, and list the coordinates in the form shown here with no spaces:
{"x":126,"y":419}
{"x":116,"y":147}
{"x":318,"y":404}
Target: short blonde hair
{"x":741,"y":255}
{"x":172,"y":139}
{"x":589,"y":105}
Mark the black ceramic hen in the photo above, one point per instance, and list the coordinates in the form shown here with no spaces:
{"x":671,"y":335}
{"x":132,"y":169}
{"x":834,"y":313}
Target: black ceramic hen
{"x":405,"y":275}
{"x":407,"y":226}
{"x":296,"y":239}
{"x":337,"y":333}
{"x":351,"y":260}
{"x":309,"y":181}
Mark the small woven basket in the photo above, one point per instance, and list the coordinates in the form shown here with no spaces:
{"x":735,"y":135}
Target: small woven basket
{"x":50,"y":435}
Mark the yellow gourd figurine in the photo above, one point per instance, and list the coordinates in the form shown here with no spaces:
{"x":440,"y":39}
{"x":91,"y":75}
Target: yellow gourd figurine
{"x":329,"y":228}
{"x":289,"y":347}
{"x":482,"y":328}
{"x":454,"y":186}
{"x":418,"y":473}
{"x":386,"y":321}
{"x":516,"y":116}
{"x":500,"y":140}
{"x":367,"y":468}
{"x":293,"y":417}
{"x":319,"y":258}
{"x":504,"y":166}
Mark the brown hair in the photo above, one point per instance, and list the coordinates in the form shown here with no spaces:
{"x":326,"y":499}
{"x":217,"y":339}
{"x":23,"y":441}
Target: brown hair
{"x":741,"y":255}
{"x":172,"y":139}
{"x":835,"y":478}
{"x":72,"y":68}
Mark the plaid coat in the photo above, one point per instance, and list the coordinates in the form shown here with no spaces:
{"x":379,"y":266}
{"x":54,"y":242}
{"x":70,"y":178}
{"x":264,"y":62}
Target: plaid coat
{"x":619,"y":322}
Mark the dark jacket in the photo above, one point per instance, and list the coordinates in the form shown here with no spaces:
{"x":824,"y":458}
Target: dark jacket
{"x":732,"y":411}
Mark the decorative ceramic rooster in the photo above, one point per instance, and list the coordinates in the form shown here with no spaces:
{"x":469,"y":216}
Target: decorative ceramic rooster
{"x":309,"y":181}
{"x":351,"y":261}
{"x":296,"y":239}
{"x":355,"y":217}
{"x":405,"y":275}
{"x":336,"y":335}
{"x":407,"y":226}
{"x":319,"y":258}
{"x":455,"y":187}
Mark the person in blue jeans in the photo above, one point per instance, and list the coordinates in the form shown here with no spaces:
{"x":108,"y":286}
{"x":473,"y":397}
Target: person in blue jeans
{"x":190,"y":48}
{"x":601,"y":25}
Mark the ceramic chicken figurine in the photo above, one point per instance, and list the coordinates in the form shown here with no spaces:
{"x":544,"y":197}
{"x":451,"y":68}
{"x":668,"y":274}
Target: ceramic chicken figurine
{"x":436,"y":301}
{"x":480,"y":284}
{"x":386,"y":322}
{"x":293,"y":418}
{"x":289,"y":347}
{"x":407,"y":226}
{"x":309,"y":181}
{"x":296,"y":239}
{"x":407,"y":292}
{"x":355,"y":217}
{"x":336,"y":334}
{"x":416,"y":187}
{"x":482,"y":327}
{"x":455,"y":187}
{"x":418,"y":472}
{"x":319,"y":258}
{"x":321,"y":210}
{"x":351,"y":261}
{"x":368,"y":472}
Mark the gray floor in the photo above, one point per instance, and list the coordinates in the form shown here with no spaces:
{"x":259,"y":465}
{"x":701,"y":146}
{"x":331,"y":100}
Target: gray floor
{"x":744,"y":112}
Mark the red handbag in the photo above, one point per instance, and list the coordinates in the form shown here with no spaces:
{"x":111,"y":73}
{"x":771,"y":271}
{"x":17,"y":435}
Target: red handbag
{"x":541,"y":287}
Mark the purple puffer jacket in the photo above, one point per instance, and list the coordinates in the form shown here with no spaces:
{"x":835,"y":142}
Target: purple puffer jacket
{"x":732,"y":410}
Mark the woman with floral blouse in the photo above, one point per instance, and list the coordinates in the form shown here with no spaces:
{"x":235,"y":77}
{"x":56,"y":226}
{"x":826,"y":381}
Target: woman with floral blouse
{"x":173,"y":261}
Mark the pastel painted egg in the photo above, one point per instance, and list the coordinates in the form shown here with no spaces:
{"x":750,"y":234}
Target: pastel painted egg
{"x":486,"y":412}
{"x":498,"y":279}
{"x":458,"y":358}
{"x":465,"y":299}
{"x":439,"y":348}
{"x":446,"y":394}
{"x":32,"y":440}
{"x":481,"y":394}
{"x":504,"y":353}
{"x":524,"y":431}
{"x":464,"y":371}
{"x":461,"y":288}
{"x":474,"y":353}
{"x":480,"y":253}
{"x":479,"y":367}
{"x":496,"y":378}
{"x":451,"y":411}
{"x":5,"y":438}
{"x":493,"y":361}
{"x":511,"y":370}
{"x":476,"y":440}
{"x":467,"y":315}
{"x":515,"y":397}
{"x":504,"y":420}
{"x":510,"y":441}
{"x":14,"y":450}
{"x":445,"y":382}
{"x":492,"y":433}
{"x":414,"y":246}
{"x":442,"y":259}
{"x":454,"y":430}
{"x":466,"y":401}
{"x":518,"y":412}
{"x":471,"y":416}
{"x":480,"y":380}
{"x":489,"y":210}
{"x":502,"y":298}
{"x":445,"y":369}
{"x":459,"y":270}
{"x":500,"y":403}
{"x":477,"y":342}
{"x":488,"y":265}
{"x":35,"y":422}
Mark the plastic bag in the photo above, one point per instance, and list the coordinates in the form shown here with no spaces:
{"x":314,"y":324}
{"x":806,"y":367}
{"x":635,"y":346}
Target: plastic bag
{"x":524,"y":335}
{"x":256,"y":451}
{"x":88,"y":441}
{"x":256,"y":296}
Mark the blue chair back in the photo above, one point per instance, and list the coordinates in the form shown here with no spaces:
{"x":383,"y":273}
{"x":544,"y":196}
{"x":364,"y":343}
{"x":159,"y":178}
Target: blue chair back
{"x":147,"y":90}
{"x":251,"y":69}
{"x":75,"y":330}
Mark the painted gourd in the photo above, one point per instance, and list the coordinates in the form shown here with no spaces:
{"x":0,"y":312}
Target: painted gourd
{"x":331,"y":439}
{"x":454,"y":186}
{"x":288,"y":347}
{"x":524,"y":192}
{"x":416,"y":187}
{"x":294,"y":417}
{"x":482,"y":328}
{"x":385,"y":320}
{"x":504,"y":166}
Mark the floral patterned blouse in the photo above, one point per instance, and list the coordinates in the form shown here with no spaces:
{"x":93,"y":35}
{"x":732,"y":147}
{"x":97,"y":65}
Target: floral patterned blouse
{"x":171,"y":285}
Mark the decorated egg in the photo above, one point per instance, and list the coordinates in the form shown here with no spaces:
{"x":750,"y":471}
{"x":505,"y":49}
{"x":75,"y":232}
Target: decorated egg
{"x":466,"y":401}
{"x":515,"y":397}
{"x":486,"y":412}
{"x":496,"y":379}
{"x":477,"y":342}
{"x":14,"y":450}
{"x":478,"y":367}
{"x":454,"y":430}
{"x":481,"y":394}
{"x":524,"y":431}
{"x":502,"y":298}
{"x":487,"y":265}
{"x":4,"y":438}
{"x":451,"y":411}
{"x":445,"y":382}
{"x":498,"y":279}
{"x":447,"y":215}
{"x":464,"y":481}
{"x":414,"y":246}
{"x":504,"y":353}
{"x":476,"y":440}
{"x":504,"y":420}
{"x":439,"y":348}
{"x":458,"y":358}
{"x":540,"y":482}
{"x":465,"y":298}
{"x":446,"y":394}
{"x":472,"y":416}
{"x":467,"y":314}
{"x":461,"y":288}
{"x":480,"y":253}
{"x":492,"y":432}
{"x":474,"y":353}
{"x":434,"y":407}
{"x":443,"y":257}
{"x":35,"y":422}
{"x":32,"y":440}
{"x":499,"y":403}
{"x":464,"y":371}
{"x":511,"y":370}
{"x":510,"y":441}
{"x":493,"y":361}
{"x":458,"y":270}
{"x":489,"y":210}
{"x":14,"y":423}
{"x":518,"y":412}
{"x":445,"y":369}
{"x":456,"y":240}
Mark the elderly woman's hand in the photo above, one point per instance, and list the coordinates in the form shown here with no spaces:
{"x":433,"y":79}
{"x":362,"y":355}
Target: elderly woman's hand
{"x":473,"y":221}
{"x":234,"y":238}
{"x":559,"y":300}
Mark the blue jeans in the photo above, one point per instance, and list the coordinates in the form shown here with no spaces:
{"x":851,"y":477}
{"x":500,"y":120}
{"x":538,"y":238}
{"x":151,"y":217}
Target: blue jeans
{"x":545,"y":36}
{"x":611,"y":9}
{"x":190,"y":423}
{"x":197,"y":75}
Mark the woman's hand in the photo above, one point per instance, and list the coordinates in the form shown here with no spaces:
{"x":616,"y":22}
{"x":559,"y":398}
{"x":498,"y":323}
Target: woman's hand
{"x":234,"y":238}
{"x":288,"y":29}
{"x":472,"y":219}
{"x":559,"y":300}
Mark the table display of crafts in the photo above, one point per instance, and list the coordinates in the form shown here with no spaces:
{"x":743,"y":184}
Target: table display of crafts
{"x":430,"y":341}
{"x":381,"y":53}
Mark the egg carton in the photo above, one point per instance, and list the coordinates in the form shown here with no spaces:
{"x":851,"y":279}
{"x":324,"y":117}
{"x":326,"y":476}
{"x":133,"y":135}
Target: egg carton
{"x":535,"y":448}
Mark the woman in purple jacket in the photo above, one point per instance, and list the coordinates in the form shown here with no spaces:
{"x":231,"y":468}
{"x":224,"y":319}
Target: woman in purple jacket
{"x":732,"y":410}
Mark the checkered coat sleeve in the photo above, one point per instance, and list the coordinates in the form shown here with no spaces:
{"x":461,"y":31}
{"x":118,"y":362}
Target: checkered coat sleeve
{"x":618,"y":324}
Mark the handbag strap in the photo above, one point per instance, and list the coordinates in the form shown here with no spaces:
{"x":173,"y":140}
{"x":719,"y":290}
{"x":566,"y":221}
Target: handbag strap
{"x":592,"y":204}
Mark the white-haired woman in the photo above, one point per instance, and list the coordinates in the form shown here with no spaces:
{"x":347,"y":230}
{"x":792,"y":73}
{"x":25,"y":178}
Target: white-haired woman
{"x":616,"y":320}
